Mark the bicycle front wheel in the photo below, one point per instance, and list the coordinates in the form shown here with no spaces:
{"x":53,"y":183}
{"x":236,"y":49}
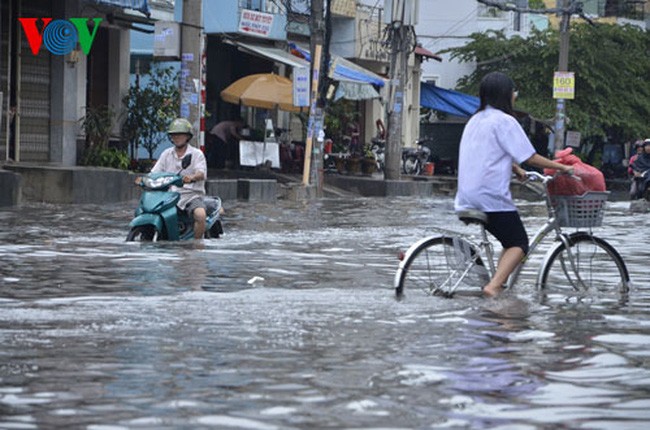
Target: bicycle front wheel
{"x":587,"y":264}
{"x":441,"y":266}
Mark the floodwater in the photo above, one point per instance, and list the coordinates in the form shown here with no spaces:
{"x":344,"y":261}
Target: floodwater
{"x":289,"y":322}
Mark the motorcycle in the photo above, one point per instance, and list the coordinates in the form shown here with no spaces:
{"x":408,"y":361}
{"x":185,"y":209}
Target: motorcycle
{"x":414,"y":159}
{"x":158,"y":218}
{"x":641,"y":186}
{"x":378,"y":148}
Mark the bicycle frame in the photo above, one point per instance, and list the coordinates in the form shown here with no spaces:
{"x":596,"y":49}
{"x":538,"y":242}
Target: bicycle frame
{"x":457,"y":254}
{"x":551,"y":224}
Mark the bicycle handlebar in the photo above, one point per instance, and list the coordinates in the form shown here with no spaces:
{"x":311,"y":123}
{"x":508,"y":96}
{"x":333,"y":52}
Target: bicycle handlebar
{"x":536,"y":176}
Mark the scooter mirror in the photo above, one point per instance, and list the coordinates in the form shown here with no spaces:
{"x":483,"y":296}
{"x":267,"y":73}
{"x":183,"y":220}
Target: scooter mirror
{"x":187,"y":160}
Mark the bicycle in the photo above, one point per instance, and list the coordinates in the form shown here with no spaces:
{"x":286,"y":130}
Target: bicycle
{"x":452,"y":262}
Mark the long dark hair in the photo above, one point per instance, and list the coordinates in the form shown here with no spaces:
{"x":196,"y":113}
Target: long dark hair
{"x":496,"y":90}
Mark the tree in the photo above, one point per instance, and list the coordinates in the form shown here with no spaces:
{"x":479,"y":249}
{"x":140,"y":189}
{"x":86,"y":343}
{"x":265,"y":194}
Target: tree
{"x":150,"y":107}
{"x":612,"y":71}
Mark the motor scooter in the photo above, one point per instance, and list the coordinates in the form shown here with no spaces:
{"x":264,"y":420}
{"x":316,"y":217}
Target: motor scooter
{"x":414,"y":159}
{"x":378,"y":148}
{"x":642,"y":186}
{"x":158,"y":218}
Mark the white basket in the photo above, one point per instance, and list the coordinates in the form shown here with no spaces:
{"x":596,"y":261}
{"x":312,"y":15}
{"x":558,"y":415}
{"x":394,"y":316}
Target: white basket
{"x":580,"y":211}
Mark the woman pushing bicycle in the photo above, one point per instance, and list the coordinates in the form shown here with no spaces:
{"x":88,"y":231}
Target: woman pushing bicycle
{"x":492,"y":146}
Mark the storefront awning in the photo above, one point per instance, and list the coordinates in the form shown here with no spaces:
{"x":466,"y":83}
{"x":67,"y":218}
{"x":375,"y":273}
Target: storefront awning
{"x":355,"y":91}
{"x":342,"y":69}
{"x":139,"y":5}
{"x":271,"y":53}
{"x":448,"y":101}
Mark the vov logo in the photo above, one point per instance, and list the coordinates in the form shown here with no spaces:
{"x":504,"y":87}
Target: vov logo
{"x":60,"y":36}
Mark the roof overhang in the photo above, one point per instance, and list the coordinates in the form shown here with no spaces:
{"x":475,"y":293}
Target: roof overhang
{"x":139,"y":5}
{"x":423,"y":52}
{"x":270,"y":53}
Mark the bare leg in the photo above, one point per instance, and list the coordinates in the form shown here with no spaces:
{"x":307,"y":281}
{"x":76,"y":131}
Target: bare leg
{"x":199,"y":222}
{"x":508,"y":261}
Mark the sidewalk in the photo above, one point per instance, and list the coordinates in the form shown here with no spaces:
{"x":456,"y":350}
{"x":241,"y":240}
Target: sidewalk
{"x":54,"y":184}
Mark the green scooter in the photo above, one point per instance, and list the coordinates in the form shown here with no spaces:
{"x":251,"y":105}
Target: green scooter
{"x":158,"y":218}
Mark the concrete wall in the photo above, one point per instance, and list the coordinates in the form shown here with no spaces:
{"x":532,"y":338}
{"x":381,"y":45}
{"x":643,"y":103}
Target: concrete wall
{"x":74,"y":184}
{"x":10,"y":188}
{"x":56,"y":184}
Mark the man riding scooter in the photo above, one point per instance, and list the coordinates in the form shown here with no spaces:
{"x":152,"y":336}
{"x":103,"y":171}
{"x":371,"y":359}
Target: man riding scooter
{"x":641,"y":174}
{"x":194,"y":175}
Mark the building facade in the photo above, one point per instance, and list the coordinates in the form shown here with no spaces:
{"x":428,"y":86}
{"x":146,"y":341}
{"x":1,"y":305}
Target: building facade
{"x":52,"y":69}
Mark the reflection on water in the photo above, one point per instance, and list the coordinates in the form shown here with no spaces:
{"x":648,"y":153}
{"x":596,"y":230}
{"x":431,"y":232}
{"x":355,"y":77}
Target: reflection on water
{"x":289,"y":321}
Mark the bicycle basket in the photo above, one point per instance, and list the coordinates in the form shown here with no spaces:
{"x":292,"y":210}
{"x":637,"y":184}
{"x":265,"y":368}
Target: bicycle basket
{"x":585,"y":210}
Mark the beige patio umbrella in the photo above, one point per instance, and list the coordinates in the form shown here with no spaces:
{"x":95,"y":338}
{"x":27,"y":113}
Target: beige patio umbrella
{"x":264,"y":90}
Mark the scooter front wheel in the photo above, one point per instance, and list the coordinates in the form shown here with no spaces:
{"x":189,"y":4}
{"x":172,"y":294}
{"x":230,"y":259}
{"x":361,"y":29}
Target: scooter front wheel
{"x":411,"y":166}
{"x":142,"y":233}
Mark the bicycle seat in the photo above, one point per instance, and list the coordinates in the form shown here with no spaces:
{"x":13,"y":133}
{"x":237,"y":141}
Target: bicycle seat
{"x":473,"y":216}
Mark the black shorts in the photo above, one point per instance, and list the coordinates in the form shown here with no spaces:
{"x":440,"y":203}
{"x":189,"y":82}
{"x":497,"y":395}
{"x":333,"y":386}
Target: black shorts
{"x":508,"y":229}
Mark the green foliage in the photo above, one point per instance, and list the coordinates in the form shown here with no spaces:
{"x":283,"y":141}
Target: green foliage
{"x":97,"y":125}
{"x":150,"y":107}
{"x":536,"y":4}
{"x":107,"y":157}
{"x":612,"y":71}
{"x":340,"y":116}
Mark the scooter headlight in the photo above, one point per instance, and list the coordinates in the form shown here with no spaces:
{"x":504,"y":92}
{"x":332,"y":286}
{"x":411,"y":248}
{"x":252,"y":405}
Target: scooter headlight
{"x":157,"y":182}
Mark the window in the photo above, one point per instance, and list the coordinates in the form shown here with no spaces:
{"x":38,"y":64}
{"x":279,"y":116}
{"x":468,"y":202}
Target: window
{"x":252,"y":5}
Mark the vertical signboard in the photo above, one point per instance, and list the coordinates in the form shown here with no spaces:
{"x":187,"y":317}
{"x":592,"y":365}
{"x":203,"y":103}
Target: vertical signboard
{"x":301,"y":86}
{"x":563,"y":85}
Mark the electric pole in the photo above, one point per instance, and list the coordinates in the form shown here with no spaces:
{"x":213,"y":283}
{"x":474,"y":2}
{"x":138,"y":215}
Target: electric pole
{"x":563,"y":66}
{"x":564,"y":8}
{"x":313,"y":167}
{"x":191,"y":51}
{"x":402,"y":17}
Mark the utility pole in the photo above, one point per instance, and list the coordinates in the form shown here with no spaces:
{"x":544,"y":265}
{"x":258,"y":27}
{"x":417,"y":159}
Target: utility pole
{"x":564,"y":8}
{"x":191,"y":52}
{"x":563,"y":66}
{"x":313,"y":167}
{"x":402,"y":16}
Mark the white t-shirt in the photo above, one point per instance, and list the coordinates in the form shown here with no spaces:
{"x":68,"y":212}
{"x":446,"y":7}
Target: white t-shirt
{"x":491,"y":142}
{"x":169,"y":162}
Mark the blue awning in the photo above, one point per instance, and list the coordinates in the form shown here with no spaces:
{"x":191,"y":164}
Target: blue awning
{"x":343,"y":70}
{"x":139,"y":5}
{"x":448,"y":101}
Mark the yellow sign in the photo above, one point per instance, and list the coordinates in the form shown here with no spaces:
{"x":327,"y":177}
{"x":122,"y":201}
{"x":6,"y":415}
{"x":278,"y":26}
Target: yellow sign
{"x":564,"y":84}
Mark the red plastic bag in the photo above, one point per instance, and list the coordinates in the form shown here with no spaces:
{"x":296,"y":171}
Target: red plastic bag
{"x":592,"y":179}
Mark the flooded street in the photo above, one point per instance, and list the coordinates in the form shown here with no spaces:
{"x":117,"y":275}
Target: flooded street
{"x":289,"y":322}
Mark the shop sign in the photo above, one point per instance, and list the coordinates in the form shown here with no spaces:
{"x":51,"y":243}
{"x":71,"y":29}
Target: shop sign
{"x":256,"y":23}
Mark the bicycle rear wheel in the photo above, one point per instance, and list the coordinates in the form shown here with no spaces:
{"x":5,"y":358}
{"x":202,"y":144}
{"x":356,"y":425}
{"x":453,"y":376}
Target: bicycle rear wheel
{"x":441,"y":266}
{"x":599,"y":267}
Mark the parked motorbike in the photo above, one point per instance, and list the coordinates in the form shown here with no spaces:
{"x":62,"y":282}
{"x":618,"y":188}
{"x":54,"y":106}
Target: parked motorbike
{"x":642,"y":186}
{"x":414,"y":159}
{"x":378,"y":148}
{"x":158,"y":218}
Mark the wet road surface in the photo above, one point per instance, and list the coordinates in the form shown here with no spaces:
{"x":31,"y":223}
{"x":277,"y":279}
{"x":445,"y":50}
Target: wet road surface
{"x":289,"y":321}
